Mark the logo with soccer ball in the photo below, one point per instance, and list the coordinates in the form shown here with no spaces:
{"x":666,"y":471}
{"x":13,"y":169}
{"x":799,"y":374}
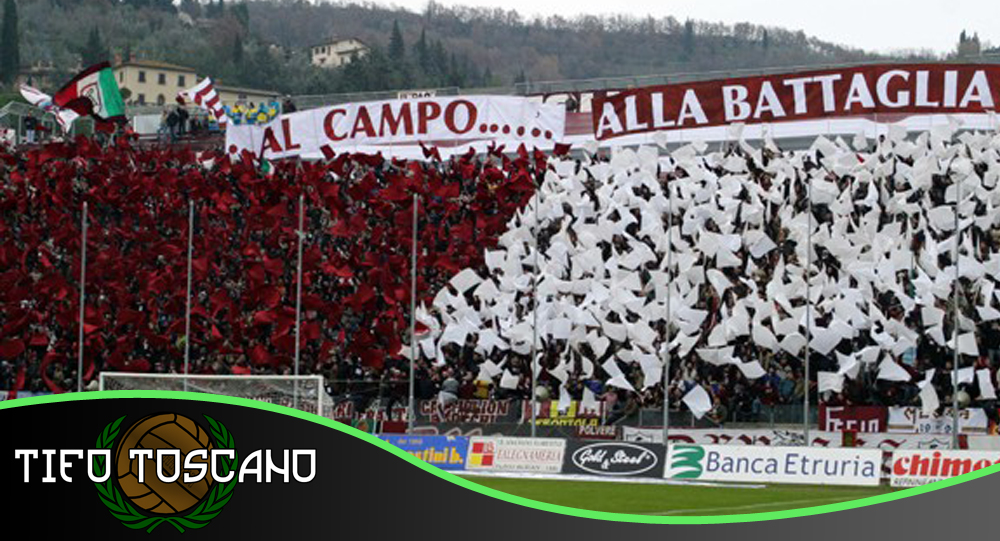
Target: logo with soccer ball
{"x":169,"y":469}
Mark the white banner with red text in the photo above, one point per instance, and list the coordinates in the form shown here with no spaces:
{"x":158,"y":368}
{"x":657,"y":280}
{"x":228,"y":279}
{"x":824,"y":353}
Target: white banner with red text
{"x":915,"y":468}
{"x":397,"y":128}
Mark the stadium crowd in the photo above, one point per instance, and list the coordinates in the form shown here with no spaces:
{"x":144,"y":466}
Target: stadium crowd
{"x":356,"y":261}
{"x":356,"y":270}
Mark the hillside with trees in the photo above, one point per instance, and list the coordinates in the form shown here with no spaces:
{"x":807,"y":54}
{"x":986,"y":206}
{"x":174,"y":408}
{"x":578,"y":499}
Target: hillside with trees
{"x":265,"y":43}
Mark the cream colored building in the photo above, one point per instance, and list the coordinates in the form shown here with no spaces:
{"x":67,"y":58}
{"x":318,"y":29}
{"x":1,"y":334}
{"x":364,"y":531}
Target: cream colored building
{"x":155,"y":83}
{"x":336,"y":53}
{"x":150,"y":82}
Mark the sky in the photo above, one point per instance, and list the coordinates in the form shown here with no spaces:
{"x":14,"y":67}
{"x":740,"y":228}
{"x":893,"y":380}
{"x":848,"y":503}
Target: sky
{"x":873,"y":25}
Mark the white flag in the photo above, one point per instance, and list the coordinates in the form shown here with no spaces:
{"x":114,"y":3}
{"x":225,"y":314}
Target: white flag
{"x":43,"y":101}
{"x":508,"y":380}
{"x":698,"y":401}
{"x":891,"y":371}
{"x":986,"y":389}
{"x":830,"y":381}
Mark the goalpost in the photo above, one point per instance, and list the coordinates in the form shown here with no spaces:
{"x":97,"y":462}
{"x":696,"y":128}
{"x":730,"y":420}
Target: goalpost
{"x":309,"y":392}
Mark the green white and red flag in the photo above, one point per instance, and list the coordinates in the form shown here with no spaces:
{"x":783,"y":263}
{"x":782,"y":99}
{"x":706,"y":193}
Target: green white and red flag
{"x":93,"y":92}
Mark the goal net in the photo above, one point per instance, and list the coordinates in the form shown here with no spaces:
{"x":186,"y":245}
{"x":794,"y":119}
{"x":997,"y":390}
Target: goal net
{"x":307,"y":393}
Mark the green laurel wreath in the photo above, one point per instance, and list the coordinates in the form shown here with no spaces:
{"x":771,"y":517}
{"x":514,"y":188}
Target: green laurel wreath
{"x":208,"y":509}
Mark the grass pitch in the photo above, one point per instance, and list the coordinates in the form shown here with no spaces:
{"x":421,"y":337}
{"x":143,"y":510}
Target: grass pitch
{"x":675,"y":500}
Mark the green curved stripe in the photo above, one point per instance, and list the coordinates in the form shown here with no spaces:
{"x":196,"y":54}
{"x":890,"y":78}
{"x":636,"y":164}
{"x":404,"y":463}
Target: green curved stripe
{"x":450,"y":477}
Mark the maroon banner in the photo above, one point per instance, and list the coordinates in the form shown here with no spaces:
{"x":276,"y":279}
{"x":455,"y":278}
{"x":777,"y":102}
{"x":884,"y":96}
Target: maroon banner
{"x":846,"y":92}
{"x":853,"y":418}
{"x":468,"y":411}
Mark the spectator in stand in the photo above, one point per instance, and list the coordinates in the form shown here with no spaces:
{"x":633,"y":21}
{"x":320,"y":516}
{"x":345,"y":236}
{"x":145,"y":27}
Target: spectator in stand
{"x":163,"y":132}
{"x":250,"y":114}
{"x":263,"y":116}
{"x":30,"y":125}
{"x":173,"y":119}
{"x":719,"y":413}
{"x":182,"y":121}
{"x":449,"y":389}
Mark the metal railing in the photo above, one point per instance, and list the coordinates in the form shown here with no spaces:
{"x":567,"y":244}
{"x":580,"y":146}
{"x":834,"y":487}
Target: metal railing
{"x":320,"y":100}
{"x":13,"y":114}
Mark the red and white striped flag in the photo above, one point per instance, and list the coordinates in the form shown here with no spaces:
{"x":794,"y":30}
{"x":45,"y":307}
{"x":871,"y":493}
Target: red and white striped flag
{"x":204,"y":95}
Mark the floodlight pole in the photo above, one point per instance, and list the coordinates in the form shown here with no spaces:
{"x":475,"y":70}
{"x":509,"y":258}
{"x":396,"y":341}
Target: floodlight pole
{"x":954,"y":323}
{"x":666,"y":359}
{"x":298,"y":302}
{"x":83,"y":281}
{"x":410,"y":409}
{"x":187,"y":315}
{"x":805,"y":374}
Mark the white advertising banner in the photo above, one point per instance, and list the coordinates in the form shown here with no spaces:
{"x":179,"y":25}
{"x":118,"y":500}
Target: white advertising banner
{"x":397,"y":128}
{"x":793,"y":465}
{"x":984,"y":443}
{"x":914,"y":420}
{"x":916,"y":468}
{"x":537,"y":455}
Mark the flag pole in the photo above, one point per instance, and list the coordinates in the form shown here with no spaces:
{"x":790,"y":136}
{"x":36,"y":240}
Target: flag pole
{"x":534,"y":294}
{"x":666,"y":360}
{"x":411,"y":411}
{"x":954,"y":323}
{"x":83,"y":281}
{"x":805,"y":400}
{"x":187,"y":316}
{"x":298,"y":300}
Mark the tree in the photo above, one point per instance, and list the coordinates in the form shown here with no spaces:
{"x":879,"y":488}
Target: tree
{"x":439,"y":63}
{"x":688,"y":40}
{"x":423,"y":56}
{"x":10,"y":53}
{"x":242,"y":15}
{"x":214,"y":10}
{"x":191,"y":7}
{"x":94,"y":52}
{"x":521,"y":77}
{"x":397,"y":49}
{"x":455,"y":75}
{"x":237,"y":51}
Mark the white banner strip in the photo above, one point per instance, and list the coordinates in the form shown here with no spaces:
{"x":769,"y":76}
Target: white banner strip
{"x":398,"y":127}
